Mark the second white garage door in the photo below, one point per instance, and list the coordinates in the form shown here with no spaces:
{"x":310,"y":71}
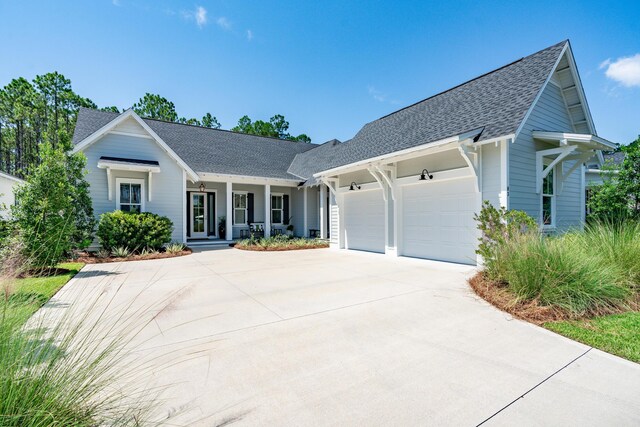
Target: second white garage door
{"x":364,"y":220}
{"x":437,"y":220}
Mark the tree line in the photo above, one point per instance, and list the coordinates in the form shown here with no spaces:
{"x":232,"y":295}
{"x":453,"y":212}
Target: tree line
{"x":45,"y":110}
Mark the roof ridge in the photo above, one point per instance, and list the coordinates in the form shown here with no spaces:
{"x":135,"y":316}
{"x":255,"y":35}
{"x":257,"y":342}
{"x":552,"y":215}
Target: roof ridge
{"x":199,"y":127}
{"x":471,"y":80}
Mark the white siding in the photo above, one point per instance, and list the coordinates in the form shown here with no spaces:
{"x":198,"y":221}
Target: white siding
{"x":7,"y":197}
{"x":166,"y":185}
{"x":491,"y":169}
{"x":434,"y":162}
{"x":548,"y":114}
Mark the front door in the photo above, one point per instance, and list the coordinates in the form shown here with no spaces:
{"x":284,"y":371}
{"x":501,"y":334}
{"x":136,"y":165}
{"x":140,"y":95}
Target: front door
{"x":198,"y":215}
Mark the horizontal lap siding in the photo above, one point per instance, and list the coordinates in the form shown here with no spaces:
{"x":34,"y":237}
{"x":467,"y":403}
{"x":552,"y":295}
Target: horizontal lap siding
{"x":491,"y":164}
{"x":549,"y":114}
{"x":166,"y":185}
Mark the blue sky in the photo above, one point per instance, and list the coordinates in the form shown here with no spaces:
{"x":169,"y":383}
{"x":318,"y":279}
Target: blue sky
{"x":328,"y":66}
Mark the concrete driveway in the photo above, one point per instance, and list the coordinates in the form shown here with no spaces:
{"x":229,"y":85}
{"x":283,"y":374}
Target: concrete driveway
{"x":324,"y":337}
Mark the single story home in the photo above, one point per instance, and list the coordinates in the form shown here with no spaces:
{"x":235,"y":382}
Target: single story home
{"x":407,"y":184}
{"x":7,"y":188}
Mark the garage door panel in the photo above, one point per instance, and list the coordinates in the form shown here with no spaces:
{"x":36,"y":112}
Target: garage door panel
{"x":364,"y":220}
{"x":437,"y":221}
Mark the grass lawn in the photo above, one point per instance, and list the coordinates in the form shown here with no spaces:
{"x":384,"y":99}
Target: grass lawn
{"x":29,"y":294}
{"x":617,"y":334}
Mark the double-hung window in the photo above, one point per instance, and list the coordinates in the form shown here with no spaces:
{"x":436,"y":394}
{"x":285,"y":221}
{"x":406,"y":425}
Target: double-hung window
{"x":240,"y":208}
{"x":130,"y":196}
{"x":548,"y":200}
{"x":276,"y":209}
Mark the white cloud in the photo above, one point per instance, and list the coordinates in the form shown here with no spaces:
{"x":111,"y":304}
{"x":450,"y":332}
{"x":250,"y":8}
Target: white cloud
{"x":249,"y":35}
{"x":376,"y":94}
{"x":625,"y":70}
{"x":201,"y":16}
{"x":223,"y":23}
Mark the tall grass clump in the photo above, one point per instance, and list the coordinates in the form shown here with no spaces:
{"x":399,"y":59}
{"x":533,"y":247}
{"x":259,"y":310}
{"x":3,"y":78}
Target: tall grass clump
{"x":556,"y":271}
{"x":67,"y":369}
{"x":615,"y":244}
{"x":581,"y":273}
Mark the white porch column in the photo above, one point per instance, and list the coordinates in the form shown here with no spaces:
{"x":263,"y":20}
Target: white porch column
{"x":323,"y":211}
{"x":229,"y":219}
{"x":305,"y":231}
{"x":267,"y":210}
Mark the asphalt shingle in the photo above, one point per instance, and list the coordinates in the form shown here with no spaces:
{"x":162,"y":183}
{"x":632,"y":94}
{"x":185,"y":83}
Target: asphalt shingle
{"x":497,"y":102}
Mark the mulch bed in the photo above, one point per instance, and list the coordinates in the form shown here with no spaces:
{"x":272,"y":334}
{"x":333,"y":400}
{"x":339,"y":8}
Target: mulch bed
{"x":499,"y":296}
{"x":279,"y":248}
{"x":89,"y":258}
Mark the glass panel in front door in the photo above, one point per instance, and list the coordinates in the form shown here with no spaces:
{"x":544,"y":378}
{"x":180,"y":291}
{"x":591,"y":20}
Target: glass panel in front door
{"x":198,"y":213}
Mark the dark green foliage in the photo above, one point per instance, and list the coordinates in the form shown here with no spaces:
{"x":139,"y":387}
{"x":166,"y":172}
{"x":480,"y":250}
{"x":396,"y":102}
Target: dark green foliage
{"x":618,"y":197}
{"x":210,"y":121}
{"x":276,"y":127}
{"x":135,"y":231}
{"x":499,"y":226}
{"x":53,"y":213}
{"x":156,"y":107}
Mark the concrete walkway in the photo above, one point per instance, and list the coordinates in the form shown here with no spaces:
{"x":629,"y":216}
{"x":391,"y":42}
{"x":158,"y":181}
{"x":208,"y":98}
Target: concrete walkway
{"x":324,"y":337}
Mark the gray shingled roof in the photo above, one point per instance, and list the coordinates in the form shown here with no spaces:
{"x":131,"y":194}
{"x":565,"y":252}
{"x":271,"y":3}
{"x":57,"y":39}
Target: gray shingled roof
{"x":497,"y":101}
{"x":211,"y":150}
{"x":615,"y":158}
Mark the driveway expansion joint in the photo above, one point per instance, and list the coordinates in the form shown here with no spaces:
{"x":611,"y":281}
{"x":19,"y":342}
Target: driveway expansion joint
{"x":535,"y":386}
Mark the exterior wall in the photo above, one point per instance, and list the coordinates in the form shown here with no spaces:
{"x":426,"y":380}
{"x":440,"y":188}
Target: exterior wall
{"x":7,"y":198}
{"x":434,"y":163}
{"x":220,"y":188}
{"x":359,"y":177}
{"x":297,"y":210}
{"x":166,"y":190}
{"x":491,"y":170}
{"x":549,"y":114}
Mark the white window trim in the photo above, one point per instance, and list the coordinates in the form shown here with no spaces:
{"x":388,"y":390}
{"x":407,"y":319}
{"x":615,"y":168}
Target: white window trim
{"x":553,"y":171}
{"x":281,"y":195}
{"x":131,"y":181}
{"x":246,"y":209}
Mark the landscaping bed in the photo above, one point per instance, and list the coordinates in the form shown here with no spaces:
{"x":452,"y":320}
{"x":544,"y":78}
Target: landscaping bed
{"x":95,"y":258}
{"x":280,"y":243}
{"x":584,"y":284}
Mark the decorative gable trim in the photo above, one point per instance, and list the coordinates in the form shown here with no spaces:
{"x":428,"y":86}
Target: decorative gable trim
{"x":95,"y":136}
{"x":542,"y":88}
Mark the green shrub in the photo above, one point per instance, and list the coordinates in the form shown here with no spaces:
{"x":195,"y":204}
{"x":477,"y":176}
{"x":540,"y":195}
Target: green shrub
{"x":174,"y":247}
{"x":498,"y":226}
{"x":280,"y":242}
{"x":134,"y":230}
{"x":121,"y":252}
{"x":557,"y":272}
{"x":54,"y":215}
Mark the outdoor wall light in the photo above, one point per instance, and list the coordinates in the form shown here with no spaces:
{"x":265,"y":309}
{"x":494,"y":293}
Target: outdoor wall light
{"x":425,"y":173}
{"x":202,"y":187}
{"x":353,"y":186}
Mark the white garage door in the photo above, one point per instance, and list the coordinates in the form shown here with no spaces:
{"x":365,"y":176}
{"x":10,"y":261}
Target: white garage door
{"x":437,"y":220}
{"x":364,"y":220}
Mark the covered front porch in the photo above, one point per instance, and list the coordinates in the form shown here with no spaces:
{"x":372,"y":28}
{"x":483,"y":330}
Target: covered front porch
{"x":226,"y":208}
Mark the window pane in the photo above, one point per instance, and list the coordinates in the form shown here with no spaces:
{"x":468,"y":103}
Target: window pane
{"x":546,"y":210}
{"x":547,"y":183}
{"x":243,"y":201}
{"x":276,"y":216}
{"x":276,"y":202}
{"x":125,"y":208}
{"x":136,"y":195}
{"x":240,"y":216}
{"x":135,"y":208}
{"x":125,"y":194}
{"x":240,"y":201}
